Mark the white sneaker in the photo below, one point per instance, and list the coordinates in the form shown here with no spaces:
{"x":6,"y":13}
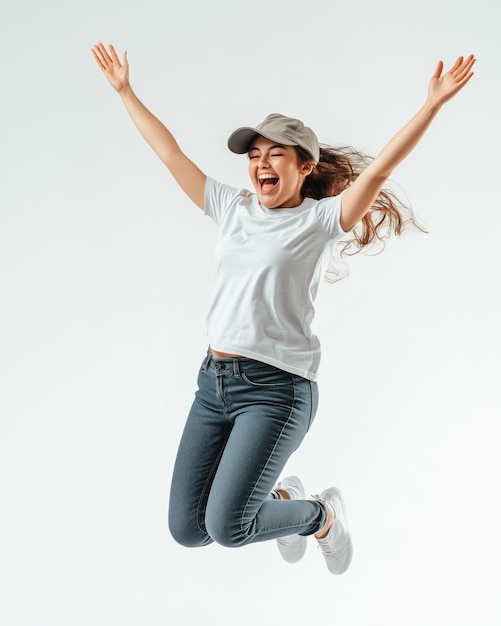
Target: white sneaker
{"x":292,"y":547}
{"x":336,"y":546}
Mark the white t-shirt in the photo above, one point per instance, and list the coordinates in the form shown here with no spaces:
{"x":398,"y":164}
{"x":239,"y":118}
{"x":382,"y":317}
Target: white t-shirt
{"x":269,"y":264}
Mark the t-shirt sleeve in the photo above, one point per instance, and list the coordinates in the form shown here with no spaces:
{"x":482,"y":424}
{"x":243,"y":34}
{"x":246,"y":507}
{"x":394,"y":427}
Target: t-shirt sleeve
{"x":218,"y":199}
{"x":329,"y":214}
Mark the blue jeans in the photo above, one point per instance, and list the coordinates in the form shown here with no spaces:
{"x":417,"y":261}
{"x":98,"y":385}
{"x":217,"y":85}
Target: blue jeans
{"x":246,"y":420}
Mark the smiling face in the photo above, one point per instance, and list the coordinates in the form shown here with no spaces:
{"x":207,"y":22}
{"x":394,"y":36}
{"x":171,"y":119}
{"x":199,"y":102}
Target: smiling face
{"x":276,"y":174}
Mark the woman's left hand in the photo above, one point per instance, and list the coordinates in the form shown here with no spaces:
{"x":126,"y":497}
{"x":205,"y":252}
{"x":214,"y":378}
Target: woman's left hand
{"x":443,"y":88}
{"x":360,"y":196}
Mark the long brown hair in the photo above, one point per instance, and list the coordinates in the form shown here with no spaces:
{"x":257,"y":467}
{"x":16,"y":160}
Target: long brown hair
{"x":336,"y":170}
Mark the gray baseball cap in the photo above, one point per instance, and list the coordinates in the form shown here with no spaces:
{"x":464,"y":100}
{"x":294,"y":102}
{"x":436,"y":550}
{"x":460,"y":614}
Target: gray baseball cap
{"x":276,"y":127}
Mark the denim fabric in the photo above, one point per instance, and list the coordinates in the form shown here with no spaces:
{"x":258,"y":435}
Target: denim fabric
{"x":246,"y":420}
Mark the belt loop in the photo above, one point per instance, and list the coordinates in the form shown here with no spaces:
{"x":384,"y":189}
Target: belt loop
{"x":205,"y":363}
{"x":236,"y":367}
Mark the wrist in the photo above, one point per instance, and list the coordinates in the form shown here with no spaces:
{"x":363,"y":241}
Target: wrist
{"x":125,"y":90}
{"x":432,"y":106}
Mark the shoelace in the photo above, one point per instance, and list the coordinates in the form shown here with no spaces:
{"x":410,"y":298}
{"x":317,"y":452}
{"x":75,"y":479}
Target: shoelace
{"x":325,"y":546}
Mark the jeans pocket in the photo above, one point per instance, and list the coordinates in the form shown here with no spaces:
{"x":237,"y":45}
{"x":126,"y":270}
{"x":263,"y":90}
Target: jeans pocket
{"x":271,"y":377}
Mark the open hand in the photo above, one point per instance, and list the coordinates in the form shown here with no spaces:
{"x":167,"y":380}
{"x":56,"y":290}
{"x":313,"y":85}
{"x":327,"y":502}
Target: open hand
{"x":443,"y":88}
{"x":116,"y":72}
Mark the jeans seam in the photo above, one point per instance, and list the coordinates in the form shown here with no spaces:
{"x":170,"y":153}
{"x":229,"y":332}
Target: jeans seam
{"x":310,"y":421}
{"x":269,"y":457}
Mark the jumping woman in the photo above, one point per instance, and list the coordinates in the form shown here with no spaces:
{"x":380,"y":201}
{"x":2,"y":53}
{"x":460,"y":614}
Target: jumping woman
{"x":257,"y":394}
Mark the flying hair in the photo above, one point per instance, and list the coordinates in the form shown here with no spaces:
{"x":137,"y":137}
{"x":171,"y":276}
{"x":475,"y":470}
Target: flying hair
{"x":335,"y":171}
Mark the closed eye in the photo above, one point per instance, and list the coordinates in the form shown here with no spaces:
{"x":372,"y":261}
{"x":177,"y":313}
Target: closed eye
{"x":256,"y":156}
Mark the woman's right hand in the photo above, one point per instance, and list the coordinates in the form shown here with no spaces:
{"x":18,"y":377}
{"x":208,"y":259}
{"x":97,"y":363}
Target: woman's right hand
{"x":117,"y":73}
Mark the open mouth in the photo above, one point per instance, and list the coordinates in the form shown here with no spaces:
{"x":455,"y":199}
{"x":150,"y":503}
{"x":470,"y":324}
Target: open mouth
{"x":268,"y":182}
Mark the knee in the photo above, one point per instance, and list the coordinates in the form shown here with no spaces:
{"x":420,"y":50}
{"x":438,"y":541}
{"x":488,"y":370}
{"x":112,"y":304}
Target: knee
{"x":225,"y":538}
{"x":187,"y":533}
{"x":226,"y":531}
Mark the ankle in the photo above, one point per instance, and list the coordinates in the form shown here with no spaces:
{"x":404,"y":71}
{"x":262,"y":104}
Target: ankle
{"x":323,"y":532}
{"x":282,"y":494}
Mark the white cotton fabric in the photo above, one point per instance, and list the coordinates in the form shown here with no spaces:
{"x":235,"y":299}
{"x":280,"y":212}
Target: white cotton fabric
{"x":269,"y":264}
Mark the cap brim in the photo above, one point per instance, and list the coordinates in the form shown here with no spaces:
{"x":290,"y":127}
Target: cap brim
{"x":240,"y":140}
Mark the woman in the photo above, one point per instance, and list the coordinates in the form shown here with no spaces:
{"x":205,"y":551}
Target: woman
{"x":257,"y":394}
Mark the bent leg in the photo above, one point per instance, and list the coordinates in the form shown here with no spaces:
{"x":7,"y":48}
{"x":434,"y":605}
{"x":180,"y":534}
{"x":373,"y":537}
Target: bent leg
{"x":265,"y":433}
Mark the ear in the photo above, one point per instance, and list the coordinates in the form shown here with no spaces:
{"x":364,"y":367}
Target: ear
{"x":307,"y":168}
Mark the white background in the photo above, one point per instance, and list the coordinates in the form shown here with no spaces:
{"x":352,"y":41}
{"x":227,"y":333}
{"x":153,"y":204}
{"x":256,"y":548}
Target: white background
{"x":105,"y":276}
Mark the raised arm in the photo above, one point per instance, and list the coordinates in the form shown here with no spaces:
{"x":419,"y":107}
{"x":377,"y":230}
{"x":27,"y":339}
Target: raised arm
{"x":359,"y":197}
{"x":187,"y":174}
